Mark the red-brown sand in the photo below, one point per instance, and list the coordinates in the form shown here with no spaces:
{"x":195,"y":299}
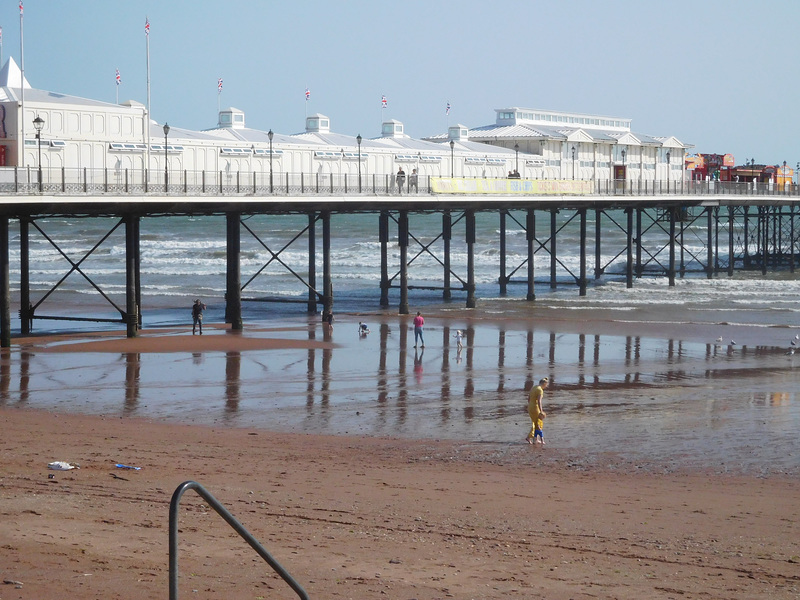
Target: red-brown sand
{"x":366,"y":517}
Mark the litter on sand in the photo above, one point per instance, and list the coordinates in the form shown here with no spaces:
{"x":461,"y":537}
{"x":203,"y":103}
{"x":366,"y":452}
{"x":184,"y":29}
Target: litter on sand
{"x":121,"y":466}
{"x":60,"y":465}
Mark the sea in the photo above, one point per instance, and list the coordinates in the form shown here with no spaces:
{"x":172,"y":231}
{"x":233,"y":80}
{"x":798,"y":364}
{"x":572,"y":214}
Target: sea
{"x":643,"y":377}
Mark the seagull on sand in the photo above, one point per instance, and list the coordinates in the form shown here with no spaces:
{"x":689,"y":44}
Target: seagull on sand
{"x":719,"y":340}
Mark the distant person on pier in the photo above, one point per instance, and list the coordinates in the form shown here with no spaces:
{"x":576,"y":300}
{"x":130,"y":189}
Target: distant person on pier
{"x":419,"y":322}
{"x":413,"y":181}
{"x":536,"y":413}
{"x":197,"y":316}
{"x":401,"y":179}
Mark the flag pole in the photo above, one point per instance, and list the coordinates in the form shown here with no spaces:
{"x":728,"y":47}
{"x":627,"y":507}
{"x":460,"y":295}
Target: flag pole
{"x":1,"y":45}
{"x":147,"y":119}
{"x":22,"y":86}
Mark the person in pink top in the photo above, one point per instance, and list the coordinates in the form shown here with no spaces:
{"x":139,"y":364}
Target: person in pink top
{"x":418,"y":323}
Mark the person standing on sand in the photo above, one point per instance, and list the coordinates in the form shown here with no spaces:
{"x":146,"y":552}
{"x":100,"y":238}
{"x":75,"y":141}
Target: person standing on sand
{"x":536,"y":413}
{"x":418,"y":324}
{"x":197,"y":316}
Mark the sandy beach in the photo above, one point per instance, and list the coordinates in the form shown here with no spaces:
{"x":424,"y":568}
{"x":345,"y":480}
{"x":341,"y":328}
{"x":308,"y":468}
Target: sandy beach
{"x":369,"y":468}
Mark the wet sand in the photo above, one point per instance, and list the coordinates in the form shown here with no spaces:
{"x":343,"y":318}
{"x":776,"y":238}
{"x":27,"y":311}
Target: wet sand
{"x":370,"y":469}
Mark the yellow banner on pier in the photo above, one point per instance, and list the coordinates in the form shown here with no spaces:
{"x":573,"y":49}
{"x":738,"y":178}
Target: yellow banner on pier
{"x":458,"y":185}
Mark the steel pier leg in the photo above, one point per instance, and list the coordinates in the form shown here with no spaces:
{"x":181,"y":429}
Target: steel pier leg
{"x":582,"y":277}
{"x":470,"y":216}
{"x":131,"y":316}
{"x":327,"y":285}
{"x":503,"y":279}
{"x":530,"y":236}
{"x":403,"y":241}
{"x":312,"y":262}
{"x":5,"y":292}
{"x":233,"y":288}
{"x":383,"y":235}
{"x":553,"y":214}
{"x":25,"y":315}
{"x":447,"y":235}
{"x":629,"y":261}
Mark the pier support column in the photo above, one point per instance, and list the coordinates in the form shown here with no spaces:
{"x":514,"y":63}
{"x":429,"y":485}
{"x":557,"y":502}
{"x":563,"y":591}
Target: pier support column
{"x":530,"y":237}
{"x":327,"y":285}
{"x":671,"y":269}
{"x":791,"y":239}
{"x":312,"y":262}
{"x":710,"y":241}
{"x":553,"y":214}
{"x":629,"y":249}
{"x":383,"y":236}
{"x":137,"y":269}
{"x":233,"y":281}
{"x":402,"y":238}
{"x":582,"y":277}
{"x":731,"y":221}
{"x":639,"y":242}
{"x":763,"y":241}
{"x":470,"y":218}
{"x":25,"y":308}
{"x":5,"y":291}
{"x":131,"y":258}
{"x":447,"y":235}
{"x":503,"y":280}
{"x":598,"y":237}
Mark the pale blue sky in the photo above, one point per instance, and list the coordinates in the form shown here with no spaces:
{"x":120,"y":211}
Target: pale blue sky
{"x":720,"y":75}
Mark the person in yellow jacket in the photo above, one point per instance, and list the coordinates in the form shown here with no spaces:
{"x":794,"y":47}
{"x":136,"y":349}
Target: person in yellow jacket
{"x":536,"y":413}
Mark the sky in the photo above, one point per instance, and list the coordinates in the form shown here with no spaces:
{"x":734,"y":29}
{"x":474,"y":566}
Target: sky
{"x":719,"y":75}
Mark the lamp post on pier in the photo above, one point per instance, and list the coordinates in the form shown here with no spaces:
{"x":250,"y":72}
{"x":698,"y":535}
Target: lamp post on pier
{"x":516,"y":151}
{"x":452,"y":158}
{"x":166,"y":159}
{"x":358,"y":139}
{"x":668,"y":167}
{"x":269,"y":135}
{"x":38,"y":125}
{"x":573,"y":163}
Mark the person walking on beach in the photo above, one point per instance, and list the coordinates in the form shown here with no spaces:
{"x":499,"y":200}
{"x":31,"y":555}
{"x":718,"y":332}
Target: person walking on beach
{"x":419,"y":322}
{"x":327,"y":320}
{"x":401,"y":179}
{"x":197,"y":316}
{"x":536,"y":413}
{"x":459,"y":336}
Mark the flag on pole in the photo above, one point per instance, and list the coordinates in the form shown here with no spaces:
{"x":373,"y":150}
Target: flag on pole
{"x":447,"y":110}
{"x":146,"y":26}
{"x":219,"y":85}
{"x":118,"y":78}
{"x":308,"y":94}
{"x":20,"y":7}
{"x":384,"y":102}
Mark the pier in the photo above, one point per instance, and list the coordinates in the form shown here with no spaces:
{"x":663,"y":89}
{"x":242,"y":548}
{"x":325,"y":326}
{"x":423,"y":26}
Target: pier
{"x":745,"y":227}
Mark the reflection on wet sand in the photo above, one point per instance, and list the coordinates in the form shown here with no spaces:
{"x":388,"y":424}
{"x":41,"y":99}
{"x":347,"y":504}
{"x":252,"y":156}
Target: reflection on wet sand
{"x":132,"y":375}
{"x":233,"y":379}
{"x":486,"y":380}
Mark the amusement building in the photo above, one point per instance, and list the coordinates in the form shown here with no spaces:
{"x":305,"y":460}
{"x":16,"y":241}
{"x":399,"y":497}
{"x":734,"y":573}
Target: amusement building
{"x":65,"y":136}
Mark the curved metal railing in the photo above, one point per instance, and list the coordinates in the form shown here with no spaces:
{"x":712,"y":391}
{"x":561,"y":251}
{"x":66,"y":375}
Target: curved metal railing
{"x":237,"y":527}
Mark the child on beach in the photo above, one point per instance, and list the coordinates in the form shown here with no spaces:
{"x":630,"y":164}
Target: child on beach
{"x":362,"y":328}
{"x":536,"y":413}
{"x":459,"y":335}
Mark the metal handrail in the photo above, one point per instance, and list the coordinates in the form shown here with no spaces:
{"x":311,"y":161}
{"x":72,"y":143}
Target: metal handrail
{"x":237,"y":527}
{"x":16,"y":181}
